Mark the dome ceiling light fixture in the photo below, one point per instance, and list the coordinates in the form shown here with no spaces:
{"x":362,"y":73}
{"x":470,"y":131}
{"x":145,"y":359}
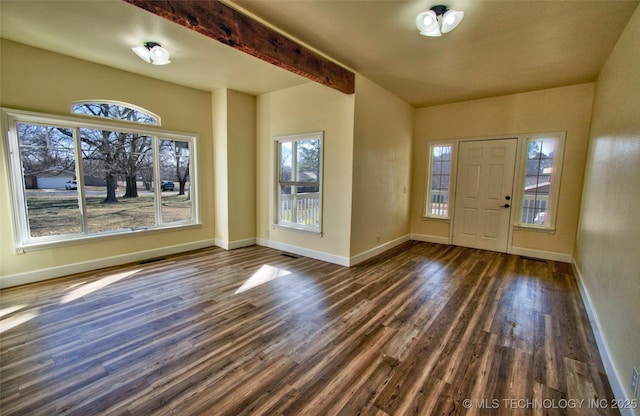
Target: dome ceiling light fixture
{"x":152,"y":53}
{"x":438,"y":20}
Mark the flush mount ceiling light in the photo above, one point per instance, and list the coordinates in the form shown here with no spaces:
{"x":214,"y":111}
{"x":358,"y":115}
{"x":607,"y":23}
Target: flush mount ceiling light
{"x":152,"y":53}
{"x":428,"y":24}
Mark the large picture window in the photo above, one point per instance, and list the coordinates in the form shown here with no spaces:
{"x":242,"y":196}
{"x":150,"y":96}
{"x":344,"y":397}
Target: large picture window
{"x":299,"y":181}
{"x":75,"y":178}
{"x":438,"y":181}
{"x":543,"y":157}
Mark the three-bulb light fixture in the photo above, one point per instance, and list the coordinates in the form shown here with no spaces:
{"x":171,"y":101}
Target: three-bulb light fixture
{"x":152,"y":53}
{"x":438,"y":20}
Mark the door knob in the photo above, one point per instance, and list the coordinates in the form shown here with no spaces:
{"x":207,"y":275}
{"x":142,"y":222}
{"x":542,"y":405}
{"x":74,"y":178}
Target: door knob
{"x":507,"y":197}
{"x":506,"y":206}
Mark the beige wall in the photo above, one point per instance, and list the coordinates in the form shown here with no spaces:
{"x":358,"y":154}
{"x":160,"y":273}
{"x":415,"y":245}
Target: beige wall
{"x":36,"y":80}
{"x":234,"y":132}
{"x":383,"y":137}
{"x":241,"y":159}
{"x":559,"y":109}
{"x":221,"y":169}
{"x":608,"y":243}
{"x":308,"y":108}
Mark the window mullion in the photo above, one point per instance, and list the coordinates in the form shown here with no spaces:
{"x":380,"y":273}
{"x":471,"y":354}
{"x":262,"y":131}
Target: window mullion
{"x":294,"y":177}
{"x":82,"y":202}
{"x":18,"y":194}
{"x":157,"y":193}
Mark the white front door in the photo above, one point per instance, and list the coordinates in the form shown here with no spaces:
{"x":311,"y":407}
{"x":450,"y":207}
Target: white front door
{"x":483,"y":194}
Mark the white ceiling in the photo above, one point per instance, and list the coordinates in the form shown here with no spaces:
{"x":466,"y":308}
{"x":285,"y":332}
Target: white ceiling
{"x":501,"y":47}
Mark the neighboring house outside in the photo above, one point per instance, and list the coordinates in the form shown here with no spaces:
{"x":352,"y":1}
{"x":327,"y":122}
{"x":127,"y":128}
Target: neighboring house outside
{"x":48,"y":179}
{"x":534,"y":206}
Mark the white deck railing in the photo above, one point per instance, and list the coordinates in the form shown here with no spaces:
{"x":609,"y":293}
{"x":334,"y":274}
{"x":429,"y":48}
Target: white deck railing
{"x":300,"y":208}
{"x":533,"y":210}
{"x":439,"y":209}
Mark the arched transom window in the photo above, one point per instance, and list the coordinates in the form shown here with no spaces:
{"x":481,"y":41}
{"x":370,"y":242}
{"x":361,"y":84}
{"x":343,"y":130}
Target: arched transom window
{"x":115,"y":110}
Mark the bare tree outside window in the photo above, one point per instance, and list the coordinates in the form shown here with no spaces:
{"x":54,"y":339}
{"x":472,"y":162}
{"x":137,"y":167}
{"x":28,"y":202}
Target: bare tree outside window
{"x":122,"y":154}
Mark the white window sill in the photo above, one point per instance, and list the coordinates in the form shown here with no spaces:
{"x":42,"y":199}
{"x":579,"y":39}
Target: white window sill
{"x":547,"y":230}
{"x":23,"y":248}
{"x":440,"y":219}
{"x":299,"y":229}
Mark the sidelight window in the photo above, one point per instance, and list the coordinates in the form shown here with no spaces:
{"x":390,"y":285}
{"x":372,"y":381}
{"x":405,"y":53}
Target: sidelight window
{"x":438,"y":181}
{"x":543,"y":157}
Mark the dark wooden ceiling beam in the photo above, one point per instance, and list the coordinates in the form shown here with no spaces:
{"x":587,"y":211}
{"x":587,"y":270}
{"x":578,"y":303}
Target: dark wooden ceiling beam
{"x":225,"y":24}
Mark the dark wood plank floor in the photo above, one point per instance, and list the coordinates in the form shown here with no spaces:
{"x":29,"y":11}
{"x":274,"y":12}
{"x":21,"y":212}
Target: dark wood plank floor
{"x":418,"y":330}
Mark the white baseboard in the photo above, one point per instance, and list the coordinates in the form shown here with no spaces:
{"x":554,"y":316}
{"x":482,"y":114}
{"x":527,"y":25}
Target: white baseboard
{"x":332,"y":258}
{"x":615,"y":380}
{"x":301,"y":251}
{"x":231,"y":245}
{"x":430,"y":238}
{"x":541,"y":254}
{"x":518,"y":251}
{"x":359,"y":258}
{"x":67,"y":269}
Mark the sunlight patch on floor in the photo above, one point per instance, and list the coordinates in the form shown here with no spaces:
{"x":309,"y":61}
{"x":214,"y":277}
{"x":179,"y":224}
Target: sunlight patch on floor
{"x":17,"y":319}
{"x":11,"y":309}
{"x":95,"y":286}
{"x":265,"y":274}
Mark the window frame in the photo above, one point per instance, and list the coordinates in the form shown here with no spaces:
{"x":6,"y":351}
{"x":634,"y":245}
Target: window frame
{"x":276,"y":188}
{"x":9,"y":118}
{"x":554,"y":187}
{"x":429,"y":176}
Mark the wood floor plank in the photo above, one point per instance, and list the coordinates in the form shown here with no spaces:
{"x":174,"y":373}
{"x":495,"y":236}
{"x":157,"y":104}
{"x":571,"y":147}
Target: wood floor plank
{"x":414,"y":331}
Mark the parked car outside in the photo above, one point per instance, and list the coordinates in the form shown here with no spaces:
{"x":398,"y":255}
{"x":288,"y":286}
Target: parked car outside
{"x":167,"y":186}
{"x":70,"y":185}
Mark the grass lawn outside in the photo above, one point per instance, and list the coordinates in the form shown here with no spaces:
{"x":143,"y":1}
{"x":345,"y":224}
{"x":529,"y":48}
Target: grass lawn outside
{"x":57,"y":211}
